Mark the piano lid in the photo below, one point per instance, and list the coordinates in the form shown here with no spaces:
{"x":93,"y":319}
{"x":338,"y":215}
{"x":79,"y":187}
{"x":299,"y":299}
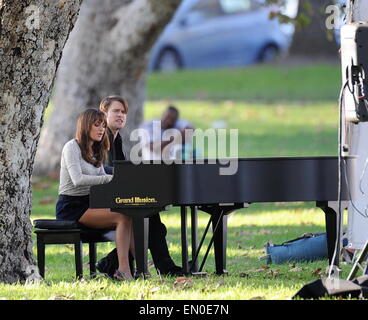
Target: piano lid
{"x":277,"y":179}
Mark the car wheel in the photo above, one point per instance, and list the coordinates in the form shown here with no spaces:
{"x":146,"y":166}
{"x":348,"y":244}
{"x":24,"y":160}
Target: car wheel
{"x":268,"y":53}
{"x":168,"y":61}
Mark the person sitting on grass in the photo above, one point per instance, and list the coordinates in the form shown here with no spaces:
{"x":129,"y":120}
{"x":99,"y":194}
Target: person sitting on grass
{"x":157,"y":148}
{"x":82,"y":162}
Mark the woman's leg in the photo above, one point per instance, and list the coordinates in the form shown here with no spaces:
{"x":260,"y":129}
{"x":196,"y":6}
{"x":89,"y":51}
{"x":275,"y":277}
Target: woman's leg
{"x":132,"y":247}
{"x":104,"y":218}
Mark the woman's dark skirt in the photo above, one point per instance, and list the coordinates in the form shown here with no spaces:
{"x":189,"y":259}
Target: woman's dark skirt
{"x":71,"y":207}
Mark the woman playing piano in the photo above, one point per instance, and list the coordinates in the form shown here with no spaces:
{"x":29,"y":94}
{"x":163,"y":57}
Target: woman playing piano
{"x":81,"y":167}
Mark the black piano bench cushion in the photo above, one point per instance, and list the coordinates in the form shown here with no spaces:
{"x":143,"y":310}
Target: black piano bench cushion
{"x":53,"y":224}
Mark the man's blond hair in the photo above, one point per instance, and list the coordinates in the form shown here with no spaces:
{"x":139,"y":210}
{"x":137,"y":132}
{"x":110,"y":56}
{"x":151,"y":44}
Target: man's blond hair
{"x":107,"y":101}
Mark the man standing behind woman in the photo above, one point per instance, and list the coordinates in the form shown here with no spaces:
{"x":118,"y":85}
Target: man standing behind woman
{"x":82,"y":167}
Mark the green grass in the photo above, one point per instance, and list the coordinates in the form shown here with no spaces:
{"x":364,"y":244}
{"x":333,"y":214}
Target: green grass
{"x":278,"y":112}
{"x":282,"y":129}
{"x":249,"y":278}
{"x":256,"y":83}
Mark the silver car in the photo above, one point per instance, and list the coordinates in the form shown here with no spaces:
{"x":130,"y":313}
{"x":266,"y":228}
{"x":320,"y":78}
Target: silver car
{"x":220,"y":33}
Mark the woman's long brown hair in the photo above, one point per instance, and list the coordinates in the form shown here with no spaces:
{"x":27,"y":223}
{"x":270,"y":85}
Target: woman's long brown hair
{"x":86,"y":120}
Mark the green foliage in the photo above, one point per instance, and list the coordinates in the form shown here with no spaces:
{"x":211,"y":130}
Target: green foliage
{"x":307,"y":7}
{"x":302,"y":21}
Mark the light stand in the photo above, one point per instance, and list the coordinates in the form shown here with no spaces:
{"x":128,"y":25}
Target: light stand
{"x":353,"y":99}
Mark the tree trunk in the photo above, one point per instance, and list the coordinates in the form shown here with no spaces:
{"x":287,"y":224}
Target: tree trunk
{"x":314,"y":40}
{"x":32,"y":35}
{"x":106,"y":54}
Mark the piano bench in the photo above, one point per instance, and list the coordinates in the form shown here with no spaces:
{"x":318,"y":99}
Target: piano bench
{"x":51,"y":231}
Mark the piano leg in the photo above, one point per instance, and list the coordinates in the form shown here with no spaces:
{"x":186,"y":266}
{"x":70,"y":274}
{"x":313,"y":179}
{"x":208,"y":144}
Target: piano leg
{"x":194,"y":230}
{"x":334,"y":223}
{"x":184,"y":240}
{"x":219,"y":238}
{"x":220,"y":241}
{"x":140,"y":229}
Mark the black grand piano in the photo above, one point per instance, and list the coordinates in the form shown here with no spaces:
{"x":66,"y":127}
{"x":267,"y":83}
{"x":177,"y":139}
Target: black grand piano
{"x":145,"y":189}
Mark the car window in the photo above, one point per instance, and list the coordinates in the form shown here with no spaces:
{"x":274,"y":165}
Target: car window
{"x":204,"y":9}
{"x":237,"y":6}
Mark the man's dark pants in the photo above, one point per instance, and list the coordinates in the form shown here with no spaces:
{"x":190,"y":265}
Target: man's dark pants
{"x":158,"y":246}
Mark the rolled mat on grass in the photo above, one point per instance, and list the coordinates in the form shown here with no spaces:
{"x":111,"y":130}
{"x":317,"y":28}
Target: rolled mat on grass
{"x":308,"y":247}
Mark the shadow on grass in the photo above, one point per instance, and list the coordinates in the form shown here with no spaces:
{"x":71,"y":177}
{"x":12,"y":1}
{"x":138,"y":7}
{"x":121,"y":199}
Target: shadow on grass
{"x":245,"y":247}
{"x":48,"y":211}
{"x":256,"y":208}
